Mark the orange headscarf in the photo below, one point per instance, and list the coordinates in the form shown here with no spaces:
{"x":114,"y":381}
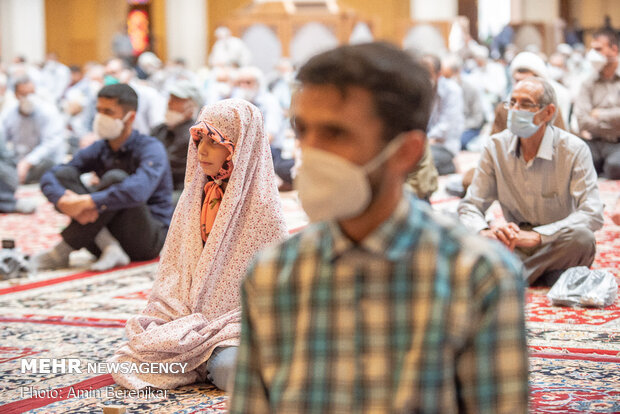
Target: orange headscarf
{"x":213,"y":189}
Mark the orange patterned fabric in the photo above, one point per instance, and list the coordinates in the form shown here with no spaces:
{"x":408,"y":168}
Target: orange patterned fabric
{"x":213,"y":189}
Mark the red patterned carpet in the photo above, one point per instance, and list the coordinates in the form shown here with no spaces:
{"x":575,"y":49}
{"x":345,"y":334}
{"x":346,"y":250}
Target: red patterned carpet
{"x":75,"y":313}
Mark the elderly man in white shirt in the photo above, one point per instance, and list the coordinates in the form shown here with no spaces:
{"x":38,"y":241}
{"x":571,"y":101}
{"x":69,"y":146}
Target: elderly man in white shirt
{"x":545,"y":183}
{"x":34,"y":132}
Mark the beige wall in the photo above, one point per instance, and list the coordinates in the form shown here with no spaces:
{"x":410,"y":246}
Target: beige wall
{"x":387,"y":14}
{"x":590,"y":13}
{"x":540,"y":10}
{"x":82,"y":30}
{"x":218,"y":11}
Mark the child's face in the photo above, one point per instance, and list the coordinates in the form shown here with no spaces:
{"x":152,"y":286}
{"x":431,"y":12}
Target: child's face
{"x":211,"y":156}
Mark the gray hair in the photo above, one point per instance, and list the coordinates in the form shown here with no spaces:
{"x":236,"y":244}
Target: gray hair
{"x":547,"y":97}
{"x":21,"y":80}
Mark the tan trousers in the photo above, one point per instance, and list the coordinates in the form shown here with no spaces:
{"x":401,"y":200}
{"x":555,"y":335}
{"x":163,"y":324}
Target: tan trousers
{"x":572,"y":247}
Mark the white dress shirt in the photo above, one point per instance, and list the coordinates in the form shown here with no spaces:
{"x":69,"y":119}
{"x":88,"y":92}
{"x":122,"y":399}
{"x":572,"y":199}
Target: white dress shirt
{"x":554,"y":190}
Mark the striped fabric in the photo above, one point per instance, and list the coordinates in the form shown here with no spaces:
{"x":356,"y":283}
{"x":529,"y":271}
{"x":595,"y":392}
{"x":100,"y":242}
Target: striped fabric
{"x":419,"y":317}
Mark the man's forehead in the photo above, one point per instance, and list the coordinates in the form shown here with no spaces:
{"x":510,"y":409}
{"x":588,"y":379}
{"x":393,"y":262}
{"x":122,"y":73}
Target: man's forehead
{"x":24,"y":87}
{"x":178,"y":98}
{"x":528,"y":88}
{"x":333,"y":97}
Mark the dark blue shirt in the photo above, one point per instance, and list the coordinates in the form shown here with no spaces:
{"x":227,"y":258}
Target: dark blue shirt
{"x":142,"y":157}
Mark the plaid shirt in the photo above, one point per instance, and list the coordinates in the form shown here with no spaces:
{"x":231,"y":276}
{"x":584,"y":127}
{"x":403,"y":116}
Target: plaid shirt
{"x":420,"y":317}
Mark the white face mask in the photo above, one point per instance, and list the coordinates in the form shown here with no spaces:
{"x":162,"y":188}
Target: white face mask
{"x":331,"y":187}
{"x":556,"y":73}
{"x":26,"y":105}
{"x":223,"y":89}
{"x":173,"y":118}
{"x":249,"y":94}
{"x":107,"y":127}
{"x":596,"y":59}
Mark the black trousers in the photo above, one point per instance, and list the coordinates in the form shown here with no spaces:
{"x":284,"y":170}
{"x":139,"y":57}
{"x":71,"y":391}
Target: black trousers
{"x":282,"y":166}
{"x":443,"y":160}
{"x":8,"y":185}
{"x":140,"y":235}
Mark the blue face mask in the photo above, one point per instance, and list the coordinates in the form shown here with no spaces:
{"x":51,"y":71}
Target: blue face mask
{"x":521,"y":123}
{"x":110,"y":80}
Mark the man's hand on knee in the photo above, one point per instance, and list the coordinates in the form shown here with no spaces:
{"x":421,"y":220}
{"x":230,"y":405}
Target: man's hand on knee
{"x":528,"y":239}
{"x":87,"y":216}
{"x":73,"y":204}
{"x":507,"y":233}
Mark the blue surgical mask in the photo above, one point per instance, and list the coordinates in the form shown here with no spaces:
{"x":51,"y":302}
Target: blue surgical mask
{"x":110,"y":80}
{"x":521,"y":123}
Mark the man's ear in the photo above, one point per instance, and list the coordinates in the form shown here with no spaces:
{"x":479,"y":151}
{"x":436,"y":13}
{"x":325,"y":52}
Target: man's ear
{"x":548,"y":112}
{"x":410,"y":152}
{"x":131,"y":116}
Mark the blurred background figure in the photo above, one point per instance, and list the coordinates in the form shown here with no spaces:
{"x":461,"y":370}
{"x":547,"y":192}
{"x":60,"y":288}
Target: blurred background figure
{"x":228,"y":50}
{"x":34,"y":132}
{"x":472,"y":102}
{"x":250,"y":85}
{"x":281,"y":86}
{"x":184,"y":102}
{"x":446,"y":122}
{"x":55,"y":78}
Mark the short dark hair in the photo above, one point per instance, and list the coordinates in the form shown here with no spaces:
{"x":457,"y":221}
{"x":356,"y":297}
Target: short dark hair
{"x":400,"y":86}
{"x":21,"y":80}
{"x":124,"y":94}
{"x":610,"y":34}
{"x":435,"y":62}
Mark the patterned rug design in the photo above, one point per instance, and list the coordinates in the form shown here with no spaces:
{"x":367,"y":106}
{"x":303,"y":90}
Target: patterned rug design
{"x":76,"y":313}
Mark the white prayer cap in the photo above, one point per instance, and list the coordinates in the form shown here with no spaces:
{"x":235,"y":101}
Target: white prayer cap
{"x":479,"y":51}
{"x":222,"y":32}
{"x":530,"y":61}
{"x":149,"y":59}
{"x":186,"y":89}
{"x":565,"y":49}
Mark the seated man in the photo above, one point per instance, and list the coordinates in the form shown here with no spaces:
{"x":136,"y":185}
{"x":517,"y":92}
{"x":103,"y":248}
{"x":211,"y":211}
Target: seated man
{"x":543,"y":178}
{"x":126,"y":216}
{"x":8,"y":185}
{"x":447,"y":120}
{"x":386,"y":306}
{"x":34,"y":131}
{"x":597,"y":107}
{"x":251,"y":87}
{"x":183,"y":104}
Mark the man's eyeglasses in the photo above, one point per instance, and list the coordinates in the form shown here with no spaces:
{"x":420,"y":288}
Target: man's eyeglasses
{"x":526,"y":106}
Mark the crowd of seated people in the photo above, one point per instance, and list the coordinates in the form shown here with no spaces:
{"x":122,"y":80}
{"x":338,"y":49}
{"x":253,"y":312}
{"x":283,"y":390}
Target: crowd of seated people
{"x":47,"y":110}
{"x":115,"y":146}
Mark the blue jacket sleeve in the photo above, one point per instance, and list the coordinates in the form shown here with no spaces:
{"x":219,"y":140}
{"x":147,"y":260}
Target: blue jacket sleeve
{"x":138,"y":187}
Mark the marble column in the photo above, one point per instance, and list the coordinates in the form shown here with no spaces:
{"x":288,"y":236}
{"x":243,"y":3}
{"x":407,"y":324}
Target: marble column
{"x":186,"y":31}
{"x":22,"y":29}
{"x":434,"y":10}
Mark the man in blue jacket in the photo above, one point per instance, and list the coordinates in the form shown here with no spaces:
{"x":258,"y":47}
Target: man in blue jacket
{"x":126,"y":215}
